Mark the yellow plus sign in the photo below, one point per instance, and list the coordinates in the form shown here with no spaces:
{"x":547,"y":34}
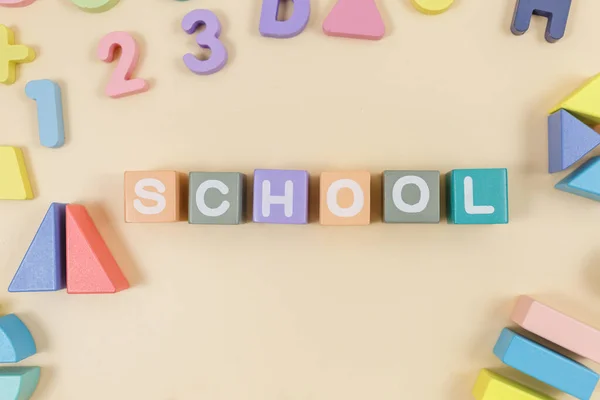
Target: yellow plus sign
{"x":11,"y":54}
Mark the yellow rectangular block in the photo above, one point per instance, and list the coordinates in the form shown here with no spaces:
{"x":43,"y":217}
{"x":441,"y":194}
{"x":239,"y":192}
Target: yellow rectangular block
{"x":491,"y":386}
{"x":14,"y":181}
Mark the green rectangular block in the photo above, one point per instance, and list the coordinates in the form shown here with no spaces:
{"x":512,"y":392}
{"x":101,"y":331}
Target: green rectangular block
{"x":411,"y":197}
{"x":216,"y":198}
{"x":477,"y":196}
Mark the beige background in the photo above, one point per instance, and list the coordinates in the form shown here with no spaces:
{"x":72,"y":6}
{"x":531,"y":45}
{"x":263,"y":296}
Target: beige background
{"x":266,"y":312}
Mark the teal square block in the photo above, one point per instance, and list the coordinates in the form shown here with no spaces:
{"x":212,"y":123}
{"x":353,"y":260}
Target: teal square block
{"x":477,"y":196}
{"x":216,"y":198}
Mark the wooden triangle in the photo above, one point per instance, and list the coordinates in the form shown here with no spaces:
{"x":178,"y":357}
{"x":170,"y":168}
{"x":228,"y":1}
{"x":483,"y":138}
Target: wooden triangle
{"x":91,"y":267}
{"x":357,"y":19}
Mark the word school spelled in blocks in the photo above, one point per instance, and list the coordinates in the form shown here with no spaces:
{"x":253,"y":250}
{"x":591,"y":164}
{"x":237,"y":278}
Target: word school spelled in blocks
{"x":477,"y":196}
{"x":557,"y":327}
{"x":545,"y":365}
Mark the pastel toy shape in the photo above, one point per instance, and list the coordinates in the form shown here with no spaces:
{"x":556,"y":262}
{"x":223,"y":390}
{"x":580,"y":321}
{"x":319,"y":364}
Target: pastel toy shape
{"x":91,"y":268}
{"x":280,"y":196}
{"x":411,"y":196}
{"x":120,"y":83}
{"x":584,"y":181}
{"x":16,"y":342}
{"x":95,"y":6}
{"x":583,"y":102}
{"x":345,"y":198}
{"x":559,"y":328}
{"x":18,"y":383}
{"x":43,"y":267}
{"x":491,"y":386}
{"x":14,"y":180}
{"x":568,"y":140}
{"x":270,"y":26}
{"x":356,"y":19}
{"x":12,"y":54}
{"x":152,"y":196}
{"x":477,"y":196}
{"x":432,"y":7}
{"x":216,"y":198}
{"x":557,"y":12}
{"x":15,"y":3}
{"x":545,"y":365}
{"x":48,"y":98}
{"x":207,"y":39}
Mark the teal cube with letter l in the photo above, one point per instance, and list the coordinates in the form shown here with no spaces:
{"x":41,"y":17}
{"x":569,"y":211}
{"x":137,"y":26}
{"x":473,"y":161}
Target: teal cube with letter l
{"x":477,"y":196}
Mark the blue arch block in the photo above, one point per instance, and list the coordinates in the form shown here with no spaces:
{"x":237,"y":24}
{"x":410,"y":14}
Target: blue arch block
{"x":18,"y":383}
{"x":16,"y":342}
{"x":557,"y":12}
{"x":43,"y":267}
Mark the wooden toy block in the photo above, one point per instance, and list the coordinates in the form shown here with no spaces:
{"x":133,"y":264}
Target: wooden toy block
{"x":270,"y":26}
{"x":584,"y":181}
{"x":345,"y":198}
{"x":18,"y":383}
{"x":280,"y":196}
{"x":356,"y":19}
{"x":152,"y":196}
{"x":545,"y":365}
{"x":15,"y":3}
{"x":12,"y":54}
{"x":583,"y":102}
{"x":14,"y":181}
{"x":91,"y":268}
{"x":411,"y":196}
{"x":43,"y":267}
{"x":477,"y":196}
{"x":491,"y":386}
{"x":16,"y":342}
{"x":121,"y":82}
{"x":568,"y":140}
{"x":216,"y":198}
{"x":48,"y":98}
{"x":207,"y":39}
{"x":95,"y":6}
{"x":432,"y":7}
{"x":552,"y":325}
{"x":557,"y":12}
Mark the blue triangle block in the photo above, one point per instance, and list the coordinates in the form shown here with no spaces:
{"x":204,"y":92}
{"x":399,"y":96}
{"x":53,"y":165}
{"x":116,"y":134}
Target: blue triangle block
{"x":43,"y":267}
{"x":584,"y":181}
{"x":18,"y":383}
{"x":568,"y":140}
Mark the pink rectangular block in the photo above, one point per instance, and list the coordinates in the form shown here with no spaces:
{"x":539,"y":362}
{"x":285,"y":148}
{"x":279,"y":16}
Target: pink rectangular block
{"x":557,"y":327}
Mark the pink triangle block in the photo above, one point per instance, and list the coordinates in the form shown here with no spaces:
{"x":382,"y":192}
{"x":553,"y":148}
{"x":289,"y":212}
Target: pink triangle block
{"x":356,"y":19}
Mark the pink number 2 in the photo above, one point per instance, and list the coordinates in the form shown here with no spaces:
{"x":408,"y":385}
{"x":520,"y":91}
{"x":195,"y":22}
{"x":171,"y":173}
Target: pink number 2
{"x":120,"y":83}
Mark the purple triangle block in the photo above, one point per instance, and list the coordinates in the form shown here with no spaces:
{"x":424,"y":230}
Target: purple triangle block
{"x":43,"y":267}
{"x":568,"y":140}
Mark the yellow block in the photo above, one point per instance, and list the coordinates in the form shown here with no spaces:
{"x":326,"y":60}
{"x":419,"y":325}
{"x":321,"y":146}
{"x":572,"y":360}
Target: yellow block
{"x":12,"y":54}
{"x":14,"y":182}
{"x":432,"y":7}
{"x":584,"y":102}
{"x":491,"y":386}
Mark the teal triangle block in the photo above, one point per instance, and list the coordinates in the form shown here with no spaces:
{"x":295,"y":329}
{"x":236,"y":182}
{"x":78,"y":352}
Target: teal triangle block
{"x":18,"y":383}
{"x":569,"y":140}
{"x":584,"y":181}
{"x":43,"y":267}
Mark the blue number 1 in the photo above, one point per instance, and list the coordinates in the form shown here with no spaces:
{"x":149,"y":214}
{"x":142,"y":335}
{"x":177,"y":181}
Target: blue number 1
{"x":50,"y":111}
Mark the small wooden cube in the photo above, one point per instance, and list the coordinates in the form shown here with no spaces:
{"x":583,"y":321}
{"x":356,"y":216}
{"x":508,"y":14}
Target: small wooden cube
{"x":216,"y":198}
{"x":345,"y":198}
{"x":411,"y":197}
{"x":152,"y":196}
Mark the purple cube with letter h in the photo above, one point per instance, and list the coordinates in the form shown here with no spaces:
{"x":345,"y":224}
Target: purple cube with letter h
{"x":280,"y":196}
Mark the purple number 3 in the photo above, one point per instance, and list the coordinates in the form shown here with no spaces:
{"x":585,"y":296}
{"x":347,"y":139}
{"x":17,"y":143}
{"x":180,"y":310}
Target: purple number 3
{"x":207,"y":39}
